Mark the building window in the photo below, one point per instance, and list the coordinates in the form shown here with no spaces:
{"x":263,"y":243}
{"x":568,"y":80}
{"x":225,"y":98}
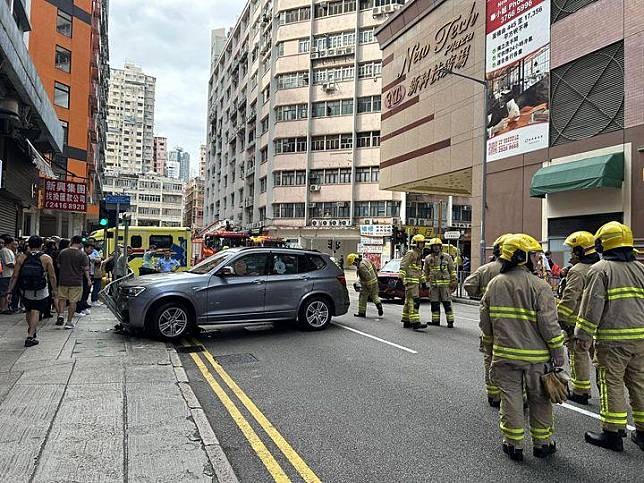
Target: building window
{"x":345,"y":175}
{"x":262,"y":213}
{"x":64,"y":24}
{"x":262,"y":185}
{"x":290,"y":145}
{"x":370,"y":69}
{"x":304,"y":45}
{"x":369,"y":104}
{"x":295,"y":15}
{"x":300,"y":178}
{"x":366,"y":36}
{"x":279,"y":49}
{"x":266,"y":94}
{"x":330,"y":176}
{"x":63,"y":59}
{"x":342,"y":107}
{"x":292,"y":80}
{"x":332,"y":74}
{"x":61,"y":95}
{"x":264,"y":125}
{"x":368,"y":139}
{"x":325,"y":9}
{"x":65,"y":125}
{"x":291,"y":112}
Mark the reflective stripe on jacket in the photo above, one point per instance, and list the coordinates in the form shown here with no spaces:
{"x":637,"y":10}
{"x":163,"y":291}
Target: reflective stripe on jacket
{"x":612,"y":307}
{"x":367,"y":273}
{"x":439,"y":270}
{"x":476,"y":283}
{"x":568,"y":306}
{"x":519,"y":319}
{"x":410,"y":268}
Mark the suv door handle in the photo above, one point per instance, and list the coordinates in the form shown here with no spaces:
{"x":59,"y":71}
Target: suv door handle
{"x":305,"y":278}
{"x":257,"y":282}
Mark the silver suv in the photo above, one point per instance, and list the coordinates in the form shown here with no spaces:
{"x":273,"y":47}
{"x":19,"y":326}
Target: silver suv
{"x":239,"y":285}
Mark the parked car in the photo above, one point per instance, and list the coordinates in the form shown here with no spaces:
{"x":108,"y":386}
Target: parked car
{"x":239,"y":285}
{"x":390,"y":285}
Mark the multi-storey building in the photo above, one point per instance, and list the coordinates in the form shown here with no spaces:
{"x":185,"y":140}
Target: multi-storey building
{"x":193,"y":204}
{"x":294,"y":121}
{"x":130,"y":121}
{"x":29,"y":124}
{"x":154,"y":200}
{"x":68,"y":44}
{"x":160,"y":155}
{"x":180,"y":160}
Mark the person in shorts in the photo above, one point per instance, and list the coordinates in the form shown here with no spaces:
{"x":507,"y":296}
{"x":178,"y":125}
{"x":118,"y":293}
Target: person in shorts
{"x":73,"y":266}
{"x":32,"y":275}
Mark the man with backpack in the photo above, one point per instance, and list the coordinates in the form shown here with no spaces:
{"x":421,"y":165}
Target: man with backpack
{"x":30,"y":276}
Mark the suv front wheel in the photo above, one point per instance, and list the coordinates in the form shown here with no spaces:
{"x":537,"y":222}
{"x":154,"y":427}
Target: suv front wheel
{"x":315,"y":314}
{"x":171,"y":321}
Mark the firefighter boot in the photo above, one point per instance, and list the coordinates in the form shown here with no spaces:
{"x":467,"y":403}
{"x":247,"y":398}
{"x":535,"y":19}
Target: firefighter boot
{"x":638,"y":438}
{"x":494,"y":402}
{"x":606,"y":439}
{"x":580,"y":398}
{"x":544,"y":450}
{"x":380,"y":311}
{"x":418,"y":326}
{"x":515,"y":454}
{"x":406,"y":324}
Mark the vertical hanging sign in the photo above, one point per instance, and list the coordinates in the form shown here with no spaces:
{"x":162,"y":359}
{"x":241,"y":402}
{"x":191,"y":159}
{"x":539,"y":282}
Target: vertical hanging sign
{"x":517,"y":70}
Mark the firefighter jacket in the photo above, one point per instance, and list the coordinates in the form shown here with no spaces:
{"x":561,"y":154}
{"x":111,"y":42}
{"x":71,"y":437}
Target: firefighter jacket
{"x":411,"y":271}
{"x":367,"y":273}
{"x":476,"y":283}
{"x":612,"y":307}
{"x":440,"y":270}
{"x":519,"y":319}
{"x":568,"y":306}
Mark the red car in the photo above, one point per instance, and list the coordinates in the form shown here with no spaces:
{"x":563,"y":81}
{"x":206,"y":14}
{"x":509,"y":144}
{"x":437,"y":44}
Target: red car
{"x":390,"y":286}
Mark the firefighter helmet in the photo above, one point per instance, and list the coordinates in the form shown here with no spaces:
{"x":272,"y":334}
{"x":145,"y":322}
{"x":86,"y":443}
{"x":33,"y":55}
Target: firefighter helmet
{"x":435,"y":241}
{"x":613,"y":235}
{"x":416,"y":239}
{"x":496,"y":246}
{"x":517,"y":247}
{"x":352,"y":257}
{"x":581,"y":242}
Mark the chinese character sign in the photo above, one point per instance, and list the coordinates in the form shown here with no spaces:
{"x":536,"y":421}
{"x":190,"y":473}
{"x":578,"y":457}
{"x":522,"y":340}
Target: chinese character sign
{"x":517,"y":70}
{"x":375,"y":230}
{"x":64,"y":195}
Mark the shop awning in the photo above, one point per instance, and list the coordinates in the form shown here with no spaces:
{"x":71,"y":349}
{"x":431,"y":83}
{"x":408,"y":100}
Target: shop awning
{"x":597,"y":172}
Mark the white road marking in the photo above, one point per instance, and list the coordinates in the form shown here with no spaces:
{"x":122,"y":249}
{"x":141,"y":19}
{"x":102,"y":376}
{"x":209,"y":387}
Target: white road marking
{"x":406,"y":349}
{"x":588,"y":413}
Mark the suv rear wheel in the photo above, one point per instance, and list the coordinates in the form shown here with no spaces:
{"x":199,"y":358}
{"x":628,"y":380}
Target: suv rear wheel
{"x":171,"y":321}
{"x":315,"y":313}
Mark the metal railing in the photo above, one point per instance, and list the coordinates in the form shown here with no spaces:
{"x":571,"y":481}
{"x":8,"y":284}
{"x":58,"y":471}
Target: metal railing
{"x":109,"y":295}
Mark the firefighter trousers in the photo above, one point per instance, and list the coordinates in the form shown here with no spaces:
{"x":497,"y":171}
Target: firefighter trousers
{"x":580,"y":364}
{"x":368,"y":292}
{"x":510,"y":377}
{"x":410,"y":311}
{"x":492,"y":391}
{"x":618,"y":364}
{"x":436,"y":312}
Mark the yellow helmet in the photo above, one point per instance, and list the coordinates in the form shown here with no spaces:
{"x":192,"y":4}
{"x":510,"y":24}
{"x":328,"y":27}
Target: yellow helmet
{"x":499,"y":241}
{"x":416,"y":239}
{"x":352,"y":257}
{"x":516,"y":248}
{"x":613,"y":235}
{"x":435,"y":241}
{"x":581,"y":242}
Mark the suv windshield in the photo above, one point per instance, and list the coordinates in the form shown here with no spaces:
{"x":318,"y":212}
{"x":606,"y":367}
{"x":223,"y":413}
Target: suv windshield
{"x":210,"y":263}
{"x":392,"y":266}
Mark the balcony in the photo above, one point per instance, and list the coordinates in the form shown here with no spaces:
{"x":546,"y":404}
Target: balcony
{"x":333,"y":52}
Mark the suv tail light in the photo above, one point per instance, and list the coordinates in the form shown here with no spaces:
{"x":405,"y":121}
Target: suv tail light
{"x":342,"y":279}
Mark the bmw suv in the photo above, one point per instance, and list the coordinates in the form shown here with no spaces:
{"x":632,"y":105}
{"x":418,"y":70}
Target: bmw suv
{"x":236,"y":286}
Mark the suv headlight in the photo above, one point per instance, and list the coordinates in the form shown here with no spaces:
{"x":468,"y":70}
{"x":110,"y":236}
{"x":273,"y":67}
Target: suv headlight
{"x":132,"y":291}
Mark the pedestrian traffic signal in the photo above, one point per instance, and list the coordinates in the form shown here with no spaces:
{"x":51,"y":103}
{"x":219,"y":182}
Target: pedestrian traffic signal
{"x":337,"y":244}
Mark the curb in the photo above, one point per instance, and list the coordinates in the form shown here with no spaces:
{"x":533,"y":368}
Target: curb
{"x":218,"y":459}
{"x":463,"y":301}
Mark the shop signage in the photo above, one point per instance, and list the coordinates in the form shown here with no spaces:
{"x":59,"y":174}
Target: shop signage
{"x":369,"y":248}
{"x":375,"y":230}
{"x":452,"y":235}
{"x":448,"y":49}
{"x":517,"y":71}
{"x":64,"y":195}
{"x":365,"y":240}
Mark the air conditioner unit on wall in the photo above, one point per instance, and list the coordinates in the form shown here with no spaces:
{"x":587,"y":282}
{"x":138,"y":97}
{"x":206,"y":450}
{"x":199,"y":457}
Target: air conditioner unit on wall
{"x":367,"y":221}
{"x":325,"y":223}
{"x":315,"y":223}
{"x":345,"y":223}
{"x":329,"y":86}
{"x":335,"y":222}
{"x":377,"y":11}
{"x":388,"y":8}
{"x":411,"y":221}
{"x":311,"y":205}
{"x":314,"y":187}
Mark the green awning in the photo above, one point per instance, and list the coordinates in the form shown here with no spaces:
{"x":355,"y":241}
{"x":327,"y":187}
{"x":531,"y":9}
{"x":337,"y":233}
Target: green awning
{"x":597,"y":172}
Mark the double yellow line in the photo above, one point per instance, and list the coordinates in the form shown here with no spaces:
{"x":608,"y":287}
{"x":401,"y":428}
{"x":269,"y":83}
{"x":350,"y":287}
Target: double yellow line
{"x":269,"y":461}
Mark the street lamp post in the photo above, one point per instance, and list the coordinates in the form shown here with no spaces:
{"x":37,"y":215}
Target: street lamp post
{"x":484,"y":173}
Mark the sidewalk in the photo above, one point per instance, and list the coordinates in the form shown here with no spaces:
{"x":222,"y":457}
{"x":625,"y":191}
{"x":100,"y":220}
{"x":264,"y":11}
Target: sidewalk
{"x":91,"y":405}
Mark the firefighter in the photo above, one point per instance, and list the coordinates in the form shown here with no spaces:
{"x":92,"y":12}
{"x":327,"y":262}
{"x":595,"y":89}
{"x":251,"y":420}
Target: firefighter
{"x":475,"y":286}
{"x":412,"y":276}
{"x":519,"y":328}
{"x":440,"y":274}
{"x":368,"y":284}
{"x":612,"y":312}
{"x":582,"y":245}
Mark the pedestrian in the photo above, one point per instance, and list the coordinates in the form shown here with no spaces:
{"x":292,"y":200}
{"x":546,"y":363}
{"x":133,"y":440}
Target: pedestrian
{"x":582,"y":245}
{"x":475,"y":286}
{"x":121,"y":267}
{"x":411,"y":273}
{"x":49,"y":249}
{"x":440,"y":275}
{"x":33,"y":275}
{"x":96,"y":274}
{"x":8,"y":258}
{"x":149,"y":265}
{"x":167,"y":264}
{"x":74,"y":268}
{"x":518,"y":321}
{"x":612,"y":312}
{"x":367,"y":274}
{"x":83,"y":308}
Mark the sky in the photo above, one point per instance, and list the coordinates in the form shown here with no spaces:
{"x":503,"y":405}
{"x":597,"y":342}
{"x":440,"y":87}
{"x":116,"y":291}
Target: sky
{"x":170,"y":40}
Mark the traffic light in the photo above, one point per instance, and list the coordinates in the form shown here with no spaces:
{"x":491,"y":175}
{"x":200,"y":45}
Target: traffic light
{"x":103,"y":222}
{"x":107,"y":218}
{"x":337,"y":244}
{"x":330,"y":244}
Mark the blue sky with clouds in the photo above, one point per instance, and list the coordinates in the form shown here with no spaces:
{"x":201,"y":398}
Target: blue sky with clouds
{"x":170,"y":40}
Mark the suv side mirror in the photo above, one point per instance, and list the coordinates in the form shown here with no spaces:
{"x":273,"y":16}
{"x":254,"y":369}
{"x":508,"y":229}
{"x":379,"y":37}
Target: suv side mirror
{"x":226,"y":272}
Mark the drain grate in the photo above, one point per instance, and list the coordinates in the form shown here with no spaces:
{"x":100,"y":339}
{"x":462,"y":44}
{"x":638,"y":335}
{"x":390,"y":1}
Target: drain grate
{"x":232,"y":359}
{"x":187,"y":349}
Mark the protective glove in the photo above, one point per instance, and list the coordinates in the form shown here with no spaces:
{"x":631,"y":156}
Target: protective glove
{"x":583,"y":344}
{"x":555,"y":387}
{"x":558,"y":360}
{"x":452,"y":286}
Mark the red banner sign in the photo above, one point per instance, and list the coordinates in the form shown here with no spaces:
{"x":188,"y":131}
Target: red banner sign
{"x":64,"y":195}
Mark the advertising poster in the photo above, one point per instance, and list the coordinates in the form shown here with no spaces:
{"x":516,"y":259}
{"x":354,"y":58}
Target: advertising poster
{"x":517,"y":70}
{"x":64,"y":195}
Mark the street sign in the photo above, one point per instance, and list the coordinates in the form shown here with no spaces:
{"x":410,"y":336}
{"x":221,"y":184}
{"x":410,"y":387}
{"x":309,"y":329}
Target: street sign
{"x":375,"y":230}
{"x":365,"y":240}
{"x":452,"y":235}
{"x":123,"y":200}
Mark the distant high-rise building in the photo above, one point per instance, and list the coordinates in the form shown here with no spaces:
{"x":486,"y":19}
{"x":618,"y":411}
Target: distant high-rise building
{"x":182,"y":158}
{"x":193,"y":204}
{"x":172,"y":169}
{"x":130,"y":121}
{"x":160,"y":154}
{"x":202,"y":161}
